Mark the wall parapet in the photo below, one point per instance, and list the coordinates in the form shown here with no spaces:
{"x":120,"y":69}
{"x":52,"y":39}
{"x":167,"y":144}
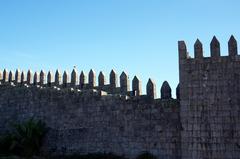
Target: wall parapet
{"x":209,"y":101}
{"x":215,"y":51}
{"x":117,"y":85}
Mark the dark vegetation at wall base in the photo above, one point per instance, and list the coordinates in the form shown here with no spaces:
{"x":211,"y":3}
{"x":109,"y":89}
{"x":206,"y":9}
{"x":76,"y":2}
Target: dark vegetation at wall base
{"x":25,"y":142}
{"x":25,"y":139}
{"x":146,"y":155}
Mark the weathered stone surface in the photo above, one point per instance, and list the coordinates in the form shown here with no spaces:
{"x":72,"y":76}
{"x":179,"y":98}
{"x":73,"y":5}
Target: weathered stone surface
{"x":65,"y":79}
{"x":202,"y":123}
{"x":124,"y":83}
{"x":209,"y":99}
{"x":58,"y":78}
{"x":29,"y":77}
{"x":49,"y":78}
{"x":101,"y":79}
{"x":92,"y":78}
{"x":42,"y":78}
{"x":113,"y":79}
{"x":151,"y":89}
{"x":136,"y":86}
{"x":10,"y":77}
{"x":232,"y":46}
{"x":5,"y":75}
{"x":22,"y":77}
{"x":17,"y":76}
{"x":88,"y":123}
{"x":182,"y":49}
{"x":178,"y":91}
{"x":35,"y":78}
{"x":215,"y":47}
{"x":83,"y":80}
{"x":74,"y":78}
{"x":166,"y":91}
{"x":198,"y":50}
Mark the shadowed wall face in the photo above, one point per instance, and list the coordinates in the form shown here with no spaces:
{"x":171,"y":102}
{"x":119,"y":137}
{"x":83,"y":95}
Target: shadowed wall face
{"x":87,"y":121}
{"x":209,"y":93}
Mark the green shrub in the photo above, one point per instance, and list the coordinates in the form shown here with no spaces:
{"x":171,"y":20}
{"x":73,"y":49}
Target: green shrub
{"x":146,"y":155}
{"x":5,"y":145}
{"x":25,"y":139}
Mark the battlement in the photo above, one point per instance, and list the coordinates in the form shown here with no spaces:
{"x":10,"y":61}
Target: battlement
{"x":80,"y":83}
{"x":209,"y":89}
{"x":215,"y":51}
{"x":87,"y":114}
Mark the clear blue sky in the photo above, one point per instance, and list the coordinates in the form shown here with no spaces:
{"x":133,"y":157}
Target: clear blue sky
{"x":137,"y":36}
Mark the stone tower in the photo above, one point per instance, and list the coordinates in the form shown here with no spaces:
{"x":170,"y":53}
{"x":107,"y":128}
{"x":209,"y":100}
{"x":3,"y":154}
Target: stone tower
{"x":210,"y":101}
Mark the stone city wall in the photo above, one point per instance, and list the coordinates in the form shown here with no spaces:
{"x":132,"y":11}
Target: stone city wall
{"x":85,"y":118}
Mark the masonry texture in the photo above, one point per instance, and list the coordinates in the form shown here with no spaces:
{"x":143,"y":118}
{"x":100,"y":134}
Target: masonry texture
{"x":85,"y":117}
{"x":210,"y":102}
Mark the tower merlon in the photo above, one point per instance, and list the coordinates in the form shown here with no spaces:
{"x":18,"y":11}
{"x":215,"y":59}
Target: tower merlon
{"x":232,"y":46}
{"x":124,"y":83}
{"x":166,"y":91}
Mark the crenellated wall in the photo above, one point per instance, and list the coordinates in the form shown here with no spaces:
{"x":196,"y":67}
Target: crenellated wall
{"x":210,"y":102}
{"x":80,"y":82}
{"x":84,"y":117}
